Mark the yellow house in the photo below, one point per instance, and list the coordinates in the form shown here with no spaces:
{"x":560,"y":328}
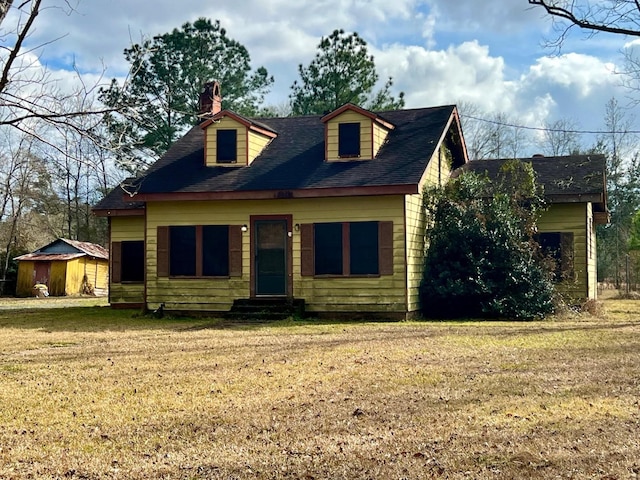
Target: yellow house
{"x":320,"y":211}
{"x":576,"y":196}
{"x":66,"y":267}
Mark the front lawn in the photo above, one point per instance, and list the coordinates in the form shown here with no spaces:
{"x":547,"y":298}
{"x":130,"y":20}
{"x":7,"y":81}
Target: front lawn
{"x":94,"y":393}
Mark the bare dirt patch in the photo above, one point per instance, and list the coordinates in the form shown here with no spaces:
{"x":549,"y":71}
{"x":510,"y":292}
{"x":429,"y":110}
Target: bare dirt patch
{"x":96,"y":394}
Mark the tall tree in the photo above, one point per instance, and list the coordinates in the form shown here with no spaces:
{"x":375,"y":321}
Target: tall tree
{"x":20,"y":170}
{"x":491,"y":135}
{"x":623,"y":188}
{"x":560,"y":138}
{"x":168,"y":73}
{"x":341,"y":72}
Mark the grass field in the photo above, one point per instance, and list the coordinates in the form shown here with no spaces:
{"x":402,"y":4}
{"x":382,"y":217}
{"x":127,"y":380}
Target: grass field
{"x":93,"y":393}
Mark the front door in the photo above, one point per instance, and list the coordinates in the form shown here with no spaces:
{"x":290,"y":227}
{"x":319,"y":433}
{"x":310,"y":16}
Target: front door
{"x":271,"y":240}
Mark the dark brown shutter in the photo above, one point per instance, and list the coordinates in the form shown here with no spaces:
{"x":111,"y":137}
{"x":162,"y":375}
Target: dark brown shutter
{"x":163,"y":252}
{"x":235,"y":251}
{"x":385,"y":247}
{"x":306,"y":250}
{"x":566,"y":255}
{"x":116,"y":262}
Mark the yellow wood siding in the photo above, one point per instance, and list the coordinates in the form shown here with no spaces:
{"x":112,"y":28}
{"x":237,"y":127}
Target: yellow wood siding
{"x":65,"y":277}
{"x":25,"y":280}
{"x":572,"y":218}
{"x":592,"y":267}
{"x":416,"y":224}
{"x":211,"y":152}
{"x":58,"y":279}
{"x":379,"y":137}
{"x":95,"y":271}
{"x":438,"y":170}
{"x":126,"y":229}
{"x":257,"y":142}
{"x":366,"y":136}
{"x":436,"y":174}
{"x":381,"y":294}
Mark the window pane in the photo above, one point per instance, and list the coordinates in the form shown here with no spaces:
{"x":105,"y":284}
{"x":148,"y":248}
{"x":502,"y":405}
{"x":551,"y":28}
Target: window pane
{"x":215,"y":250}
{"x":550,"y":243}
{"x":132,"y":269}
{"x":182,"y":251}
{"x":363,"y":248}
{"x":328,"y":248}
{"x":226,"y":145}
{"x":349,"y":139}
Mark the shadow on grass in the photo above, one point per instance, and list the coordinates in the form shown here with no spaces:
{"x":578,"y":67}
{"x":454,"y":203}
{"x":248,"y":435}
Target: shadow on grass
{"x":105,"y":318}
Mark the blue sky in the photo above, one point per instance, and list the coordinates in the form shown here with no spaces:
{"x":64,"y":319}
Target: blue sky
{"x":491,"y":54}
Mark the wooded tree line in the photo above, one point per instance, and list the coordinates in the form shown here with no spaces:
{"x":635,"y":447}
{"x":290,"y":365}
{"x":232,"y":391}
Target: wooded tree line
{"x":63,"y":149}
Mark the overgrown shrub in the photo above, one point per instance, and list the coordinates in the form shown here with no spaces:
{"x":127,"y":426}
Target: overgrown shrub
{"x":481,"y":259}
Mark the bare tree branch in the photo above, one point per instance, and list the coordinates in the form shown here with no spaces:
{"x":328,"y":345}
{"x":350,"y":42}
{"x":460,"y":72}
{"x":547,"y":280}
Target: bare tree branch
{"x":5,"y":5}
{"x":13,"y":53}
{"x":612,"y":16}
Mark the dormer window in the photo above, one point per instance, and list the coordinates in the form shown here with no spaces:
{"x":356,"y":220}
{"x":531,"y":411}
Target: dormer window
{"x":226,"y":141}
{"x":231,"y":140}
{"x":349,"y":140}
{"x":354,"y":134}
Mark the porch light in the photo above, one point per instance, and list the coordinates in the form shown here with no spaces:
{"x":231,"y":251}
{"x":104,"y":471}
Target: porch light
{"x":244,"y":228}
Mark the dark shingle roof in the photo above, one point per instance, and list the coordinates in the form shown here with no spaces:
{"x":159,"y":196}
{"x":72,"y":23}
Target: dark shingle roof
{"x":566,"y":178}
{"x":295,"y":158}
{"x":118,"y":199}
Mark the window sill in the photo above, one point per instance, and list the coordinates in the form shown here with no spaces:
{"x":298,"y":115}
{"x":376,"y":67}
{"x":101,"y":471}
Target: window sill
{"x":193,"y":277}
{"x":369,"y":275}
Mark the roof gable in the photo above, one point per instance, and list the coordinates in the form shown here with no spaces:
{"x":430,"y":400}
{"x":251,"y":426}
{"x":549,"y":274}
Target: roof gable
{"x":247,"y":122}
{"x":354,"y":108}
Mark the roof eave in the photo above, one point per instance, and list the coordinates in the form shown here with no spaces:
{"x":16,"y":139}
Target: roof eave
{"x":576,"y":198}
{"x":354,"y":191}
{"x":118,"y":212}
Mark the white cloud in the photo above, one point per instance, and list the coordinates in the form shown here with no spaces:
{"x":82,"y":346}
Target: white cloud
{"x":464,"y":72}
{"x":580,"y":73}
{"x":437,"y":51}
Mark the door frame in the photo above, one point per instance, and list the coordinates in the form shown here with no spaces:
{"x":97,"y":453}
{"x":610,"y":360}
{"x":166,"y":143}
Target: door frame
{"x":289,"y":253}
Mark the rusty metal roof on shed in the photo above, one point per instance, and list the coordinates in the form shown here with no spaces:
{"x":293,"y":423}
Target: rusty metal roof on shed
{"x":64,"y":249}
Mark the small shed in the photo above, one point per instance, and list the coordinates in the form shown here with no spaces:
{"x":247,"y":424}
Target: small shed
{"x":66,"y":267}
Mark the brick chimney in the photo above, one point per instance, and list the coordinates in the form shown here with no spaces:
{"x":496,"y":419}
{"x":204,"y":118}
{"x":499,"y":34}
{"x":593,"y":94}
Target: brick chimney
{"x":210,"y":101}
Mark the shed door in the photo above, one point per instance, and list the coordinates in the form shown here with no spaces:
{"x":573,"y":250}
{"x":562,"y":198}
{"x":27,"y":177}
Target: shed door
{"x":270,"y":237}
{"x":42,"y":272}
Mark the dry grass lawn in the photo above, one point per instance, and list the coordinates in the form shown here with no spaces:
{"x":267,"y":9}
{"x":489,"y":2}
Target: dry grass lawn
{"x":92,"y":393}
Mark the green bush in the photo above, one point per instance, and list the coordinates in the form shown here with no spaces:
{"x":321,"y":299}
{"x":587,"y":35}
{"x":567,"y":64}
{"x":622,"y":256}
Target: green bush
{"x":481,"y":259}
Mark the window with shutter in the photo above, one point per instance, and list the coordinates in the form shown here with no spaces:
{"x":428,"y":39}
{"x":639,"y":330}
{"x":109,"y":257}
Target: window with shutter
{"x":200,"y":251}
{"x":347,"y":249}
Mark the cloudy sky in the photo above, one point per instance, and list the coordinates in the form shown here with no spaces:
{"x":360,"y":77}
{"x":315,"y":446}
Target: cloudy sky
{"x":490,"y":53}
